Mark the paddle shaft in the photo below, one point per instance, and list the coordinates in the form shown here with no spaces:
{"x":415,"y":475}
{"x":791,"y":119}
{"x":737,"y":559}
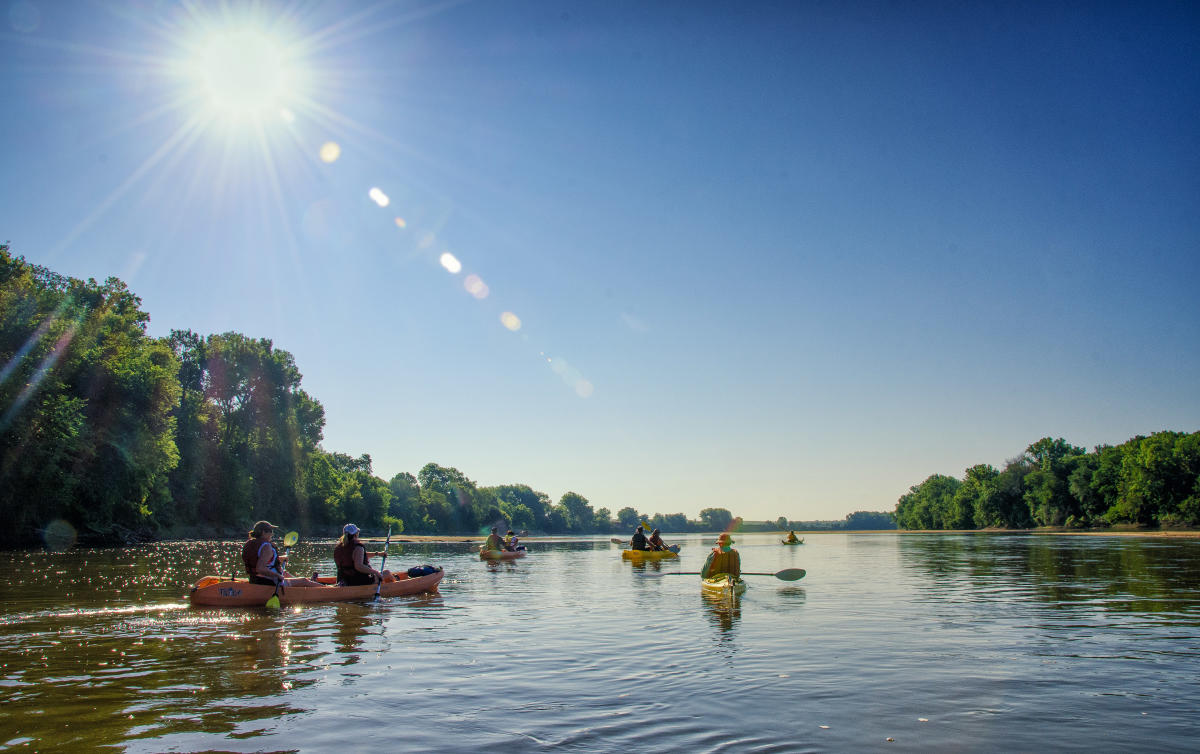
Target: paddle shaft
{"x":787,"y":574}
{"x":382,"y":562}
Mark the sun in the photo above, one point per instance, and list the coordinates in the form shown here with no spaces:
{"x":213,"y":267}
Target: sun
{"x":244,"y":73}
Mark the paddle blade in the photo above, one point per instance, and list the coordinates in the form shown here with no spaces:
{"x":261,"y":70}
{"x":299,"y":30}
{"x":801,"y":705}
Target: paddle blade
{"x":273,"y":603}
{"x":791,"y":574}
{"x":290,"y":538}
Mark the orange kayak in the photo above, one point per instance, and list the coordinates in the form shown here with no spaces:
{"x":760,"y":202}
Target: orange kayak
{"x":500,"y":554}
{"x":215,"y":591}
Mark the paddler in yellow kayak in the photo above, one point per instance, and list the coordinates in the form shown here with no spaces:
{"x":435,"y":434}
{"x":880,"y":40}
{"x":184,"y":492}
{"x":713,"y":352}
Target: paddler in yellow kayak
{"x":722,"y":559}
{"x":656,"y":541}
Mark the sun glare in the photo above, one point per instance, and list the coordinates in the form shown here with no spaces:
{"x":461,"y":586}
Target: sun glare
{"x":245,"y":72}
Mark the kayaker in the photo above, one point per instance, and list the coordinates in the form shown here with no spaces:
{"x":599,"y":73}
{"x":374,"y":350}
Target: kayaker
{"x":722,"y":559}
{"x":493,"y":541}
{"x":511,"y":543}
{"x":656,"y":541}
{"x":353,"y":561}
{"x":792,"y":537}
{"x":264,"y":564}
{"x":638,"y":540}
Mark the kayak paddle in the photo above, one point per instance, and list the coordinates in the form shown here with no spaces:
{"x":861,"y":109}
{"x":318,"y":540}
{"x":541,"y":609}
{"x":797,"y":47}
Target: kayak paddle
{"x":382,"y":561}
{"x":616,"y":541}
{"x":289,"y":539}
{"x":787,"y":574}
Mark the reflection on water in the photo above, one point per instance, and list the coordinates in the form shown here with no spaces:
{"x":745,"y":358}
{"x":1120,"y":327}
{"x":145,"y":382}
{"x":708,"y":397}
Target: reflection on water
{"x":984,"y":643}
{"x":723,"y":612}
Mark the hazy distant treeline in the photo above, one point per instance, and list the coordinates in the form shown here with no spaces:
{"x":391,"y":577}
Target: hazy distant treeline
{"x":1151,"y":481}
{"x":124,"y":436}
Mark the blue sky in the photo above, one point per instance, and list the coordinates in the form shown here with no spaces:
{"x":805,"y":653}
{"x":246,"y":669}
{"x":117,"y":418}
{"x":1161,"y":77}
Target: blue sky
{"x":783,"y":258}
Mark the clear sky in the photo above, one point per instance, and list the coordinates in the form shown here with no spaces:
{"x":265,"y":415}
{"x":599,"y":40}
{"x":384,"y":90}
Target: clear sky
{"x":783,"y":258}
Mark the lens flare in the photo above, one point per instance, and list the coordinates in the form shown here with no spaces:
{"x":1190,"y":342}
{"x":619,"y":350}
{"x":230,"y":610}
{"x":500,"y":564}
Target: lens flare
{"x":59,"y":536}
{"x":511,"y":321}
{"x":330,"y":151}
{"x":451,"y":263}
{"x":476,"y":287}
{"x":400,"y":223}
{"x":379,"y":197}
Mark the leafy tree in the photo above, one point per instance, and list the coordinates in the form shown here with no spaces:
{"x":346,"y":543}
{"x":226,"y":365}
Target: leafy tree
{"x":782,"y":522}
{"x":86,"y":432}
{"x":716,"y":519}
{"x":629,"y":518}
{"x":579,"y":514}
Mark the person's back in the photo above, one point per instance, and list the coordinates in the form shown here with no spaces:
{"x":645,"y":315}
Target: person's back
{"x":493,"y":542}
{"x":638,"y":541}
{"x":722,"y":559}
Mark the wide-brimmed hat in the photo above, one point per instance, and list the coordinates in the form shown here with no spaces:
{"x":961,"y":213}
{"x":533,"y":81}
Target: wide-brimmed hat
{"x":263,"y":526}
{"x":350,"y":529}
{"x":724,"y":539}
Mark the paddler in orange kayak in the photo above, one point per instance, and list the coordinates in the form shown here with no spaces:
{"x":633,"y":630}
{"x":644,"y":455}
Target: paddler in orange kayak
{"x":264,"y":564}
{"x":722,"y":559}
{"x":353,"y":561}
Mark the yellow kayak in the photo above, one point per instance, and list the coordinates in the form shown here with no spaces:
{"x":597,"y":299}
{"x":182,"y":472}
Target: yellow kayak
{"x":723,"y":585}
{"x":648,"y":554}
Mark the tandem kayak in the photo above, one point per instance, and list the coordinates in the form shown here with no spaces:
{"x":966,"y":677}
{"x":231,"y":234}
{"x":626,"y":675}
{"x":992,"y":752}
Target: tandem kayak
{"x":670,"y":552}
{"x":722,"y":585}
{"x":215,"y":591}
{"x":500,"y":554}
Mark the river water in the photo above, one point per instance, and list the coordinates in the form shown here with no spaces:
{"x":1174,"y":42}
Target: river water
{"x":892,"y":642}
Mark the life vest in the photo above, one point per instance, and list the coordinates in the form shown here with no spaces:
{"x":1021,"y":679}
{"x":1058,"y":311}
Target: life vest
{"x":343,"y":557}
{"x":494,"y":542}
{"x":250,"y":553}
{"x":637,"y":541}
{"x":722,"y":562}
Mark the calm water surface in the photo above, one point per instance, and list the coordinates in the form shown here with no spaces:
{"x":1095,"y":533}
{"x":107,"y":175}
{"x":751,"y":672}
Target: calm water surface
{"x":940,"y":642}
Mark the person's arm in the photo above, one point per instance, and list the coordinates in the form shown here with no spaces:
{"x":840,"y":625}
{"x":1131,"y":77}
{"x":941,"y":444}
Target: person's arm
{"x":359,"y":565}
{"x":736,"y":565}
{"x":707,"y":564}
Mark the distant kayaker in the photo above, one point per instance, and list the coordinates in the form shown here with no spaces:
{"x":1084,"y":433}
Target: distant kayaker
{"x":792,"y":537}
{"x":512,"y":543}
{"x":493,"y":541}
{"x":264,"y":565}
{"x":638,"y":540}
{"x":722,"y":559}
{"x":353,"y":561}
{"x":656,"y":541}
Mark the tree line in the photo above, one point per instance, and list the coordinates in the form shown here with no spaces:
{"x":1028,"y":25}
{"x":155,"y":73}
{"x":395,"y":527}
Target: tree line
{"x":127,"y":437}
{"x":1147,"y":481}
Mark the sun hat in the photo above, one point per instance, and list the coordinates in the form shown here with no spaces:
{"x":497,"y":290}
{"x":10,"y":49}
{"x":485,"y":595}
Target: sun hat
{"x":725,"y":538}
{"x":350,"y":529}
{"x":262,"y":526}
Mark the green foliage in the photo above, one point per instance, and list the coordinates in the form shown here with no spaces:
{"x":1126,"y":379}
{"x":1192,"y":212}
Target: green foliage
{"x":86,"y":431}
{"x":1147,"y":481}
{"x":716,"y":519}
{"x":628,"y":518}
